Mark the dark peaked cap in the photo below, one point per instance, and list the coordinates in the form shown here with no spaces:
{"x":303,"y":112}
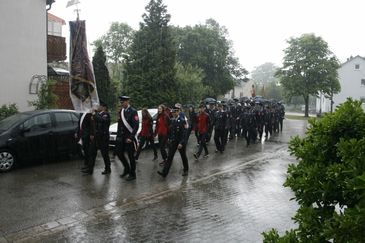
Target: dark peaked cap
{"x":124,"y":97}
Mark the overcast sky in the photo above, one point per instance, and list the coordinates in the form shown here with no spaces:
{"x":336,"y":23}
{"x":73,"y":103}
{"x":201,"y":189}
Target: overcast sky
{"x":258,"y":28}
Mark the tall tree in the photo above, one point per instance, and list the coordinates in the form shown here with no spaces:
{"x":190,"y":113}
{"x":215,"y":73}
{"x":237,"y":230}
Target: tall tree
{"x":103,"y":83}
{"x":207,"y":47}
{"x":116,"y":43}
{"x":190,"y":87}
{"x":150,"y":66}
{"x":309,"y":66}
{"x":264,"y":73}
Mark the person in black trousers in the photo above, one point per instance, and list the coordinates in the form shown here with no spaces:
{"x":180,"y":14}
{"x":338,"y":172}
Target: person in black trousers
{"x":102,"y":121}
{"x":86,"y":133}
{"x":221,"y":119}
{"x":177,"y":139}
{"x":128,"y":124}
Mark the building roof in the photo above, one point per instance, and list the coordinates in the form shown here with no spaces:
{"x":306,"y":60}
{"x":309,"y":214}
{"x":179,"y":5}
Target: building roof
{"x":352,"y":58}
{"x":56,"y":19}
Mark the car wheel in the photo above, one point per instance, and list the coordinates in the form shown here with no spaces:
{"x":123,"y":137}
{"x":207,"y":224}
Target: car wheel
{"x":7,"y":160}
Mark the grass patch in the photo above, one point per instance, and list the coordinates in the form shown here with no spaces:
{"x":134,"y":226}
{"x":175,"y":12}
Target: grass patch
{"x":297,"y":117}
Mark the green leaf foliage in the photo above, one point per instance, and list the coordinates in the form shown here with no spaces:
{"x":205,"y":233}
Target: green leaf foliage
{"x":329,"y":180}
{"x":190,"y":87}
{"x":150,"y":67}
{"x":309,"y":67}
{"x":208,"y":48}
{"x":46,"y":99}
{"x":8,"y":110}
{"x":104,"y":85}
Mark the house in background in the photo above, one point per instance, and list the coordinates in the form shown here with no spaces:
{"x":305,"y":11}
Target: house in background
{"x":351,"y":75}
{"x":23,"y":48}
{"x":242,"y":90}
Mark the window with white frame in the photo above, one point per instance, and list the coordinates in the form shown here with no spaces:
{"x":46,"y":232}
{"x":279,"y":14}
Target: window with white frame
{"x":362,"y":82}
{"x":357,"y":66}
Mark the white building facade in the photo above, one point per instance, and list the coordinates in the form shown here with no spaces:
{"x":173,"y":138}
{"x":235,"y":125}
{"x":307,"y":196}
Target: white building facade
{"x":351,"y":75}
{"x":23,"y":48}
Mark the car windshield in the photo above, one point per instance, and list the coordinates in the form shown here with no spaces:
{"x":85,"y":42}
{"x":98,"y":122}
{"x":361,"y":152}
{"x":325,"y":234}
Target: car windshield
{"x":8,"y":122}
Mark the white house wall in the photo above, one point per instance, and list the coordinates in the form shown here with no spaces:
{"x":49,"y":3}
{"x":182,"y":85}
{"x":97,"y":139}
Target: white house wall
{"x":350,"y":81}
{"x":23,"y":49}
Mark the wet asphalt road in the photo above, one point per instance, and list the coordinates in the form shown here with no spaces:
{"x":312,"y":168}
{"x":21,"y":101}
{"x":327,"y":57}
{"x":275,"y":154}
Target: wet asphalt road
{"x":231,"y":197}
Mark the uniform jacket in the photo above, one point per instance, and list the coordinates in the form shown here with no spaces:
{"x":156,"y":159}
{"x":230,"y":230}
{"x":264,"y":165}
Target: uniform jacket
{"x":203,"y":122}
{"x":162,"y":125}
{"x":221,"y":120}
{"x":147,"y":130}
{"x":102,"y":120}
{"x":178,"y":131}
{"x":87,"y":128}
{"x":131,"y":117}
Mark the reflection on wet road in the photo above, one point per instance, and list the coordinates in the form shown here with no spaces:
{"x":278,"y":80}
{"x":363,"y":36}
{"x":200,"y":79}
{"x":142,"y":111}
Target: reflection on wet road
{"x":231,"y":197}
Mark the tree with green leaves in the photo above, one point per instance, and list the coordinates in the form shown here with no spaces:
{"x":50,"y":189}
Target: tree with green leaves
{"x":103,"y":83}
{"x":150,"y":66}
{"x":190,"y":87}
{"x":309,"y":67}
{"x":46,"y":99}
{"x":116,"y":43}
{"x":329,"y":179}
{"x":208,"y":48}
{"x":264,"y":74}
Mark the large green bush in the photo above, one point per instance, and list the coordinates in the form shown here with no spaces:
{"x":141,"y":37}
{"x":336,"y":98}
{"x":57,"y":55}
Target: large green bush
{"x":329,"y":180}
{"x":8,"y":110}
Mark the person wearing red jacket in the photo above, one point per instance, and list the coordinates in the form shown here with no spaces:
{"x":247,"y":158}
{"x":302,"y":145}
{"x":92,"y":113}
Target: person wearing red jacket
{"x":146,"y":134}
{"x":203,"y":121}
{"x":162,"y":127}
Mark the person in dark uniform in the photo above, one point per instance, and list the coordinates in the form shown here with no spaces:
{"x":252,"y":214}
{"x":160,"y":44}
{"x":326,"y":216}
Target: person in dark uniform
{"x":102,"y":121}
{"x":86,"y":132}
{"x":220,"y":121}
{"x":128,"y":124}
{"x":177,"y":139}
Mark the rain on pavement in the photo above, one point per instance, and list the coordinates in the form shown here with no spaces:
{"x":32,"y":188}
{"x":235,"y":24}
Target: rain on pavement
{"x":230,"y":197}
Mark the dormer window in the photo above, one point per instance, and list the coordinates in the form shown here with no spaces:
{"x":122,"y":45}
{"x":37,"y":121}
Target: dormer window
{"x":357,"y":66}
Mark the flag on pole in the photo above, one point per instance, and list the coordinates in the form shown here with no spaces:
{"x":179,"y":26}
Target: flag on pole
{"x":72,"y":2}
{"x":83,"y":92}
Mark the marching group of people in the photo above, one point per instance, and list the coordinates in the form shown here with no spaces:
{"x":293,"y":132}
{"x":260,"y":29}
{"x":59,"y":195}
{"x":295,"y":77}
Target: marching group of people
{"x":248,"y":118}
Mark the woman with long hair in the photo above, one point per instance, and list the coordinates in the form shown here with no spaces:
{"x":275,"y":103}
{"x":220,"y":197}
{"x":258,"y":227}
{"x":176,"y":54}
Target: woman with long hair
{"x":162,"y":127}
{"x":146,"y":134}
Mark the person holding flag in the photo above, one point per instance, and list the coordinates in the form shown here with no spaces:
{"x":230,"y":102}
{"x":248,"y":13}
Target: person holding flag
{"x":128,"y":125}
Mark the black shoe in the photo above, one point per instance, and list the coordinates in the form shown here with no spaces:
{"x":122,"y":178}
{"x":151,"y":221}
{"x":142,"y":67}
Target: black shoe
{"x":124,"y":174}
{"x":136,"y":158}
{"x":106,"y":172}
{"x":161,"y":174}
{"x":196,"y":156}
{"x":205,"y":155}
{"x":130,"y":178}
{"x":185,"y":173}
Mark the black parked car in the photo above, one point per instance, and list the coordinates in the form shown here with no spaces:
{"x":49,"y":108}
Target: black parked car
{"x":37,"y":136}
